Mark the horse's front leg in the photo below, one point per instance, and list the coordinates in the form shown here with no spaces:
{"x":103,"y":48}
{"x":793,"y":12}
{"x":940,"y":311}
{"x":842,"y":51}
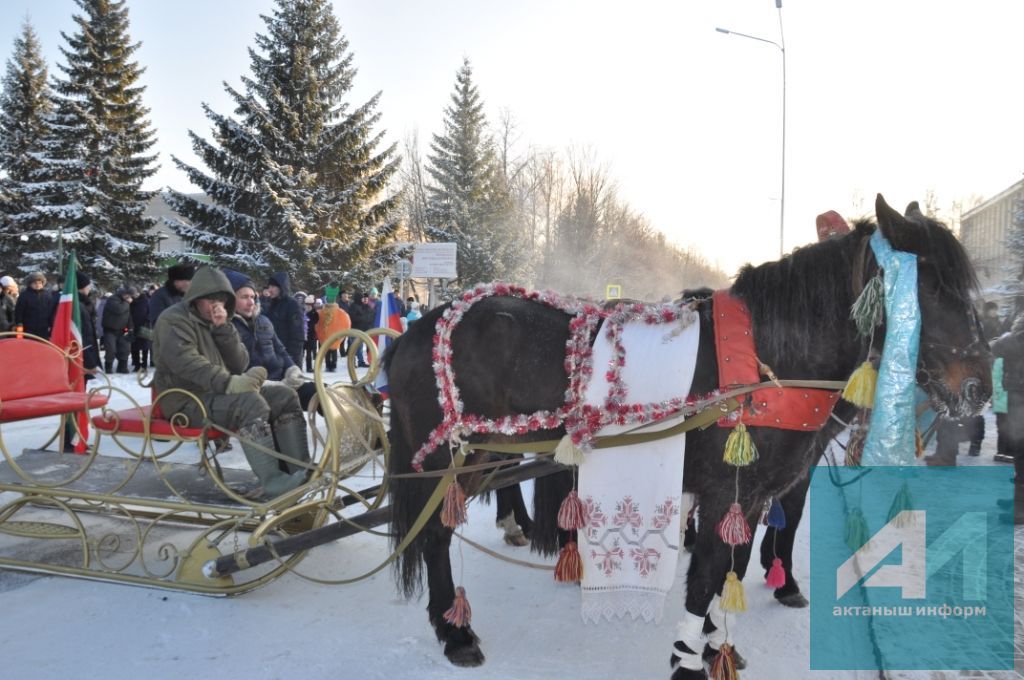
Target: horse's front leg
{"x":461,"y":645}
{"x":779,"y":543}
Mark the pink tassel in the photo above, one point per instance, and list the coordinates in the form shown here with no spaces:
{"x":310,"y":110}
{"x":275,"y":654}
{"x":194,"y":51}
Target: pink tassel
{"x":460,"y":612}
{"x":569,"y":568}
{"x":776,"y":575}
{"x":453,"y":510}
{"x":733,"y":528}
{"x":571,"y":514}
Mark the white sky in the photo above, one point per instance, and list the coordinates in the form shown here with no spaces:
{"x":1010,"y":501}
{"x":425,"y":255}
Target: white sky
{"x":899,"y":97}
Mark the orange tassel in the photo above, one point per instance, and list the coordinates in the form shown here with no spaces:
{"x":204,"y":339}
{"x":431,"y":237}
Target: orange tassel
{"x":776,"y":575}
{"x":453,"y":510}
{"x":460,"y":612}
{"x":723,"y":667}
{"x":571,"y":513}
{"x":569,"y":568}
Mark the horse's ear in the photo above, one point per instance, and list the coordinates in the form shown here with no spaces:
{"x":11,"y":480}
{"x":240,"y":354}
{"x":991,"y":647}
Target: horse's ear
{"x":894,"y":226}
{"x":913,"y":210}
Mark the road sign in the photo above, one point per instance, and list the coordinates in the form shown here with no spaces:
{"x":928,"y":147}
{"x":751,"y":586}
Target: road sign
{"x":613,"y":291}
{"x":434,"y":261}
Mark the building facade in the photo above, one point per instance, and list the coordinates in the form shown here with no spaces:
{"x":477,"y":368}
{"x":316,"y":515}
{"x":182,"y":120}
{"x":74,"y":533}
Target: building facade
{"x":983,"y":231}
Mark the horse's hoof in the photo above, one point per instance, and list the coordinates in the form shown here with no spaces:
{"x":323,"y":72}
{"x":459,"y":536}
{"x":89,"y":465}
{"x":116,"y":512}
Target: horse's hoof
{"x":795,"y":599}
{"x":517,"y":539}
{"x":710,"y":653}
{"x":466,"y":656}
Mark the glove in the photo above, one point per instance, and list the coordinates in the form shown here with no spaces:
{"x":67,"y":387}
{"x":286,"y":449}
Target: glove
{"x":249,"y":381}
{"x":293,"y":378}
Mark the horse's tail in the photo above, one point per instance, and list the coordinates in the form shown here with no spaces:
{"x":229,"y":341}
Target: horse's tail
{"x":548,"y":493}
{"x":405,"y":507}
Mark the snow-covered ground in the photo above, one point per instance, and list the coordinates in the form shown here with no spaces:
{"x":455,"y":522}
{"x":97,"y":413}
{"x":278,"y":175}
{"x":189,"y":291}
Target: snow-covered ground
{"x":530,"y":626}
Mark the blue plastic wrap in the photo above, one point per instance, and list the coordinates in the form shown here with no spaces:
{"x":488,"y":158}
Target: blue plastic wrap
{"x":890,"y":439}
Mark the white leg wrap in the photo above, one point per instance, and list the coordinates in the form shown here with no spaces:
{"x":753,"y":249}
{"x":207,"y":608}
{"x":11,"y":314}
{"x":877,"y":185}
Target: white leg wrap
{"x":689,"y":633}
{"x":721,"y":634}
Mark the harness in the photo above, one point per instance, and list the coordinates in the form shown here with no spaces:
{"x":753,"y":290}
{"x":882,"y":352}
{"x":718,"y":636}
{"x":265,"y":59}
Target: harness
{"x":785,"y":408}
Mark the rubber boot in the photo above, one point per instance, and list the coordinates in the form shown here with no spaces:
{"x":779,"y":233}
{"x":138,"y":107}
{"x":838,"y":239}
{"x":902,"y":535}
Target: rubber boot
{"x":274,"y":481}
{"x":122,"y":366}
{"x":290,"y":431}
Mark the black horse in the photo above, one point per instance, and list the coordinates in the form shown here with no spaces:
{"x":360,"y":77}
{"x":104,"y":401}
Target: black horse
{"x":508,"y":355}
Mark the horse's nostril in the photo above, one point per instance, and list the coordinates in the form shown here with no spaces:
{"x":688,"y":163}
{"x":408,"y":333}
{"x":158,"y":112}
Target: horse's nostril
{"x":970,"y":389}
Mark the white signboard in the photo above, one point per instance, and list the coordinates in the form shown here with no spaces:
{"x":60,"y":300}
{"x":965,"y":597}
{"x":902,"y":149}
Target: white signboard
{"x":403,"y":269}
{"x":434,"y":261}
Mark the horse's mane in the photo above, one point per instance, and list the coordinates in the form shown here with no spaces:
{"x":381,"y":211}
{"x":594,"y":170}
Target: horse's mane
{"x":952,"y":266}
{"x":808,"y":289}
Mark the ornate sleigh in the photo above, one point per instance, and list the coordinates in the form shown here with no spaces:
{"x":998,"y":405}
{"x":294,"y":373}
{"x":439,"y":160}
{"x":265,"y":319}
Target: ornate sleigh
{"x":149,"y":500}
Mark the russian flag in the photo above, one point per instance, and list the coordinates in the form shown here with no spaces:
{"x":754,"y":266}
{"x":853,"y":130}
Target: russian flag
{"x":387,"y":315}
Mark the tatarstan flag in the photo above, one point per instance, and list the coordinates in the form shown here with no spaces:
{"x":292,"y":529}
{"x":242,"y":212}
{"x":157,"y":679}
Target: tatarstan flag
{"x":67,"y":334}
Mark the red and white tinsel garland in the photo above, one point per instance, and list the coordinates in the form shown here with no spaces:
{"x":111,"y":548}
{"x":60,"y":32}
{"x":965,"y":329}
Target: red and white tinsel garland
{"x":581,"y":421}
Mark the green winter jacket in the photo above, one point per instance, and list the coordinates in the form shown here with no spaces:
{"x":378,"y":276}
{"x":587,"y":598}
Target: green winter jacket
{"x":191,"y":354}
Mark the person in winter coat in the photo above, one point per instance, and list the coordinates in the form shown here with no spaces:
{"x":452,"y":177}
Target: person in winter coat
{"x":362,"y":319}
{"x":1008,"y":402}
{"x":333,"y":319}
{"x":311,"y":346}
{"x":285,"y":312}
{"x":8,"y":300}
{"x":179,"y":277}
{"x":118,"y":329}
{"x":86,"y":311}
{"x":143,"y":331}
{"x":35,"y":307}
{"x":264,"y":347}
{"x":197,"y":349}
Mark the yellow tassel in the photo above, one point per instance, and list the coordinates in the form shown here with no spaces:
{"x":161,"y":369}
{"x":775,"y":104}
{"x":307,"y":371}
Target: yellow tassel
{"x":902,"y":501}
{"x":568,"y":453}
{"x":860,"y":389}
{"x":856,"y":529}
{"x":739,"y":447}
{"x":733,"y":597}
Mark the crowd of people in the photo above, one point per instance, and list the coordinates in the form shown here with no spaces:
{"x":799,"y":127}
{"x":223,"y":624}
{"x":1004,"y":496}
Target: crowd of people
{"x":237,"y":346}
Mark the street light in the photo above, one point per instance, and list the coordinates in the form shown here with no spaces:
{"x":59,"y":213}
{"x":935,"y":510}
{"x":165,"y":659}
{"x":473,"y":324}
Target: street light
{"x":782,"y":49}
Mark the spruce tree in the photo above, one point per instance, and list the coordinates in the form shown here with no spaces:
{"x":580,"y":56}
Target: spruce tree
{"x":468,"y":203}
{"x":24,"y":105}
{"x":296,"y":182}
{"x":89,"y":196}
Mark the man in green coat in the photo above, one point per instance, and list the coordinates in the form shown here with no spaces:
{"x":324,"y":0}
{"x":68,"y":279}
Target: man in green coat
{"x":197,"y":349}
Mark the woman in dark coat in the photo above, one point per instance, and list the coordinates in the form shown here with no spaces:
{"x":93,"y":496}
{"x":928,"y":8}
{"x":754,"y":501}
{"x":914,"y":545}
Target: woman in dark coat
{"x":362,"y":319}
{"x":35,"y":307}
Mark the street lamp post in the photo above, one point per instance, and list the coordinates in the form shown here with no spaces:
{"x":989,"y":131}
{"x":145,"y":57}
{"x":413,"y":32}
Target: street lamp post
{"x":782,"y":49}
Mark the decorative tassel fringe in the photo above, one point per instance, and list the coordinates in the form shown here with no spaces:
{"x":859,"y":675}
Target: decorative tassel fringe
{"x":739,"y":447}
{"x":856,"y":529}
{"x":723,"y":666}
{"x":901,"y":502}
{"x":869,"y":308}
{"x":860,"y":388}
{"x":460,"y":613}
{"x":733,"y":597}
{"x":733,"y":527}
{"x":776,"y":515}
{"x":918,"y":444}
{"x":568,"y":453}
{"x":776,"y":577}
{"x":572,"y":514}
{"x":569,"y":568}
{"x":855,"y":445}
{"x":453,"y":509}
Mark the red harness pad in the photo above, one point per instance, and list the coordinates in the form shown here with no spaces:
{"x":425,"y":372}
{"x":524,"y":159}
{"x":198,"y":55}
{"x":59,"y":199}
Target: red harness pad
{"x":786,"y":408}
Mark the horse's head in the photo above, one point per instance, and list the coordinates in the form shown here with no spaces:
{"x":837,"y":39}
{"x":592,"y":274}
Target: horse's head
{"x":954,"y":364}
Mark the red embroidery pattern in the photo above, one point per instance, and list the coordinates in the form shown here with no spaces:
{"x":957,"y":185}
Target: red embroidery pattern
{"x":645,"y":539}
